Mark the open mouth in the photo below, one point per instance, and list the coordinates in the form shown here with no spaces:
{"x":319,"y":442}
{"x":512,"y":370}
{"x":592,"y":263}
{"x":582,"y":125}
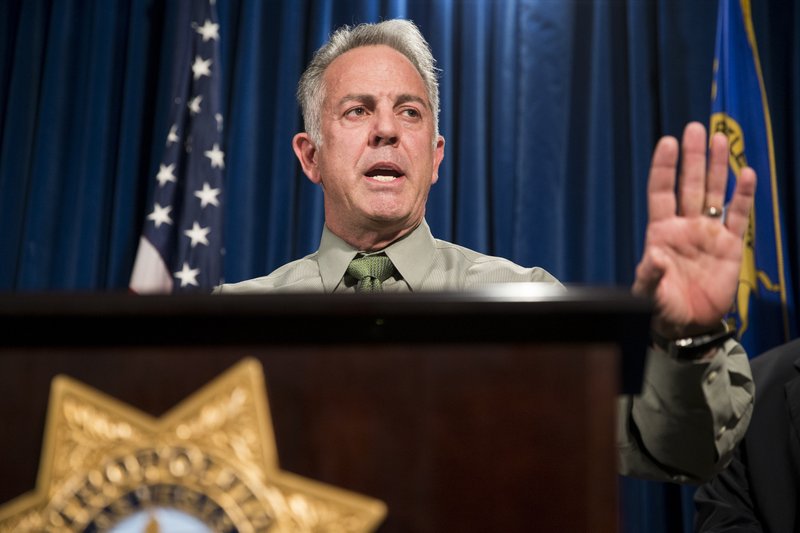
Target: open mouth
{"x":384,"y":173}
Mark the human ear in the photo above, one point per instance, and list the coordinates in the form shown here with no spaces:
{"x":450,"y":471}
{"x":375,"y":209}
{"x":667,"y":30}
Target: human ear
{"x":438,"y":155}
{"x":306,"y":152}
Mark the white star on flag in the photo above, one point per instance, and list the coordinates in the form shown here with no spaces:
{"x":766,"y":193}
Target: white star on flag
{"x":197,"y":234}
{"x":208,"y":30}
{"x":165,"y":174}
{"x":183,"y":241}
{"x":160,"y":215}
{"x":188,"y":276}
{"x":216,"y":156}
{"x":194,"y":104}
{"x":201,"y":67}
{"x":172,"y":136}
{"x":208,"y":195}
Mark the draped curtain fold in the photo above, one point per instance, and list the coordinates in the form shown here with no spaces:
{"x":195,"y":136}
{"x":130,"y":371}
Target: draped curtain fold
{"x":550,"y":109}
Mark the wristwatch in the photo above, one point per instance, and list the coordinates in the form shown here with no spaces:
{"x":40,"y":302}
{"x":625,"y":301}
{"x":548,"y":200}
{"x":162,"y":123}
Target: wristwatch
{"x":691,"y":348}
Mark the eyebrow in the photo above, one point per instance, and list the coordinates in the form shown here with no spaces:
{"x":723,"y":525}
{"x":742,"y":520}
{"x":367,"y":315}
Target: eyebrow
{"x":370,"y":99}
{"x":404,"y":98}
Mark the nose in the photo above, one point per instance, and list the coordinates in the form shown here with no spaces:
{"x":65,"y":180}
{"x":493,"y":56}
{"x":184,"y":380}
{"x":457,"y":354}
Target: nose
{"x":385,"y":130}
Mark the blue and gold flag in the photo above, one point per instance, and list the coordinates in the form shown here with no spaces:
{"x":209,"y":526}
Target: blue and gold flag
{"x":763,"y":310}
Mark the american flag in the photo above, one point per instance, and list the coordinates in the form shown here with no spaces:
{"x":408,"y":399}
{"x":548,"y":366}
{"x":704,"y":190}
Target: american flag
{"x":180,"y":248}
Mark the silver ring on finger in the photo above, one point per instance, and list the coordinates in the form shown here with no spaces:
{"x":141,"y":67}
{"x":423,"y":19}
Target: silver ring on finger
{"x":713,"y":211}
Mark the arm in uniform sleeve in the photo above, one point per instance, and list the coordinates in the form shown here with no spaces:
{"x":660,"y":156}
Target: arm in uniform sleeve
{"x":688,"y":418}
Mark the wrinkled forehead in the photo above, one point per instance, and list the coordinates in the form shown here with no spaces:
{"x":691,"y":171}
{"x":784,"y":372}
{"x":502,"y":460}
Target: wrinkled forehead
{"x":373,"y":70}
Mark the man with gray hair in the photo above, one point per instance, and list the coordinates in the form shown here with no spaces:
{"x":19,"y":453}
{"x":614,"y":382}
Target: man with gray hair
{"x":370,"y":104}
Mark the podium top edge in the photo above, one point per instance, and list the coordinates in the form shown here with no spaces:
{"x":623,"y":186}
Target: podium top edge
{"x":511,"y":298}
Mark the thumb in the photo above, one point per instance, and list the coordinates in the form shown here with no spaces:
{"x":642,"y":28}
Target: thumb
{"x":649,"y":272}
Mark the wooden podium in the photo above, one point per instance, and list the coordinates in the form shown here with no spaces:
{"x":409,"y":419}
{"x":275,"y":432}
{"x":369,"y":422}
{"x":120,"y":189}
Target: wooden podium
{"x":485,"y":411}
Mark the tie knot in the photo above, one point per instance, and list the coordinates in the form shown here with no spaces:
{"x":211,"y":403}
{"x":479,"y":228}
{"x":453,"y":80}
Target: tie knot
{"x":370,"y":271}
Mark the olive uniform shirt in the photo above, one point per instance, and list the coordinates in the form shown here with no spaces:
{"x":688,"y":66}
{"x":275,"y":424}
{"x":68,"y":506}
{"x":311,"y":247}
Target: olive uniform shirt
{"x":682,"y":427}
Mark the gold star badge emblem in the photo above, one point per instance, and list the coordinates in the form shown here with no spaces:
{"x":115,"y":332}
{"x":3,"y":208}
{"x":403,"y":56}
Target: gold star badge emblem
{"x":212,"y":457}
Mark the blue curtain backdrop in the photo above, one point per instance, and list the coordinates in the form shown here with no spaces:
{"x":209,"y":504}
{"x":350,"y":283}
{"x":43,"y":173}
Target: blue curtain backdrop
{"x":551,"y":109}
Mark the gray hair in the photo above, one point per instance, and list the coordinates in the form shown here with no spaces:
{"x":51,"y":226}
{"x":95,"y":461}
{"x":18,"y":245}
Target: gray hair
{"x":402,"y":35}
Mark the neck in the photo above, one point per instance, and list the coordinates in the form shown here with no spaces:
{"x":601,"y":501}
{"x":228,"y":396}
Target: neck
{"x":369,"y":240}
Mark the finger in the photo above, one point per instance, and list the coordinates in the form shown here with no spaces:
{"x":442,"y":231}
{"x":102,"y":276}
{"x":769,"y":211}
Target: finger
{"x":738,"y":214}
{"x":692,"y":179}
{"x":661,"y":183}
{"x":717,"y":171}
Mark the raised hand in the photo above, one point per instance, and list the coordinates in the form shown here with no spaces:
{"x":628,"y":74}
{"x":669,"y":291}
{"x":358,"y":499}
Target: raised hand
{"x":692,"y":254}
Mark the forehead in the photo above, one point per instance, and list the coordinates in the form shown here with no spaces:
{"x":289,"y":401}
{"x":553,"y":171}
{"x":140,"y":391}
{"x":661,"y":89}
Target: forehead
{"x":373,"y":70}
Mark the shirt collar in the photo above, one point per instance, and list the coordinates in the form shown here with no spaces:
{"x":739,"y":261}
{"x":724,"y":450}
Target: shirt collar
{"x":334,"y":257}
{"x":412,"y":257}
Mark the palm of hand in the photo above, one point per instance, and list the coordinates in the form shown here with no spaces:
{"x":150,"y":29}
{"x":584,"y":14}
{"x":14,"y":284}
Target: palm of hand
{"x":690,"y":266}
{"x":699,"y":260}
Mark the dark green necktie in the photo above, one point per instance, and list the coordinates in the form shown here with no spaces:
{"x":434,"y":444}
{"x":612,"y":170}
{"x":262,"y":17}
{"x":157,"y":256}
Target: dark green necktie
{"x":370,"y":271}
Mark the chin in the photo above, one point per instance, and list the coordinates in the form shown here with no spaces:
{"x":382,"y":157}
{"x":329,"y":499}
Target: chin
{"x":389,"y":218}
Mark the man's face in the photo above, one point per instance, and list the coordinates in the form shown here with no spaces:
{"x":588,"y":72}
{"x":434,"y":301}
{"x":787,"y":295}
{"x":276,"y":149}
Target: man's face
{"x":378,"y":159}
